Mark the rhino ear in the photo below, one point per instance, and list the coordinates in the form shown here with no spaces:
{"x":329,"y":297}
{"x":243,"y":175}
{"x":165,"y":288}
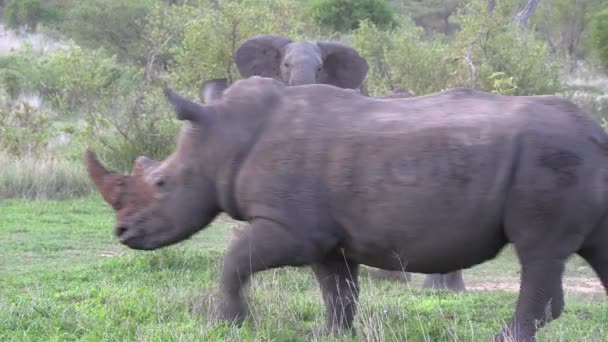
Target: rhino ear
{"x":188,"y":110}
{"x":343,"y":65}
{"x":143,"y":163}
{"x":212,"y":90}
{"x":261,"y":55}
{"x":108,"y":183}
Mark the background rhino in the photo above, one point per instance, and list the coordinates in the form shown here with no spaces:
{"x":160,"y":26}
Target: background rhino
{"x":329,"y":178}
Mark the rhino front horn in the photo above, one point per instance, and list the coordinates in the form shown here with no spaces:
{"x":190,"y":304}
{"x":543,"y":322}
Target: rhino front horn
{"x":108,"y":183}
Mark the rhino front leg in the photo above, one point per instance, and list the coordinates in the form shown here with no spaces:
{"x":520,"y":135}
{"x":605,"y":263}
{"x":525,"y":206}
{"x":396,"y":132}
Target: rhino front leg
{"x":264,"y":245}
{"x":452,"y":281}
{"x":339,"y":281}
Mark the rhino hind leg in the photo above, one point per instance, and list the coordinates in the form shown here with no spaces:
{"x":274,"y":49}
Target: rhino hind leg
{"x":452,"y":281}
{"x":264,"y":245}
{"x":597,"y":257}
{"x":541,"y":299}
{"x":338,"y":279}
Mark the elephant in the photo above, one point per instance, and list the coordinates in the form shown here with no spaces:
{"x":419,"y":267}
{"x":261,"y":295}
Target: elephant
{"x":331,"y":179}
{"x":298,"y":63}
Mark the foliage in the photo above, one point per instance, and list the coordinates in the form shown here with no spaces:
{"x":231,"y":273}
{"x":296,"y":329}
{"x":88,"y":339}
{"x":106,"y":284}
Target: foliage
{"x":564,"y":25}
{"x":138,"y":123}
{"x":400,"y":58}
{"x":71,"y":79}
{"x":345,"y":15}
{"x":24,"y":129}
{"x":600,"y":36}
{"x":489,"y":53}
{"x":115,"y":25}
{"x":122,"y":114}
{"x":28,"y":13}
{"x":492,"y":42}
{"x":435,"y":16}
{"x":212,"y":35}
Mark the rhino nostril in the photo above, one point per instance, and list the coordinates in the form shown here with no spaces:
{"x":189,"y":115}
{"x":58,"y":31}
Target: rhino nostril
{"x":120,"y":230}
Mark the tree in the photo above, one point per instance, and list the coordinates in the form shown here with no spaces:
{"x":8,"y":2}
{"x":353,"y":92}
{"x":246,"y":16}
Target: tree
{"x":599,"y":34}
{"x":345,"y":15}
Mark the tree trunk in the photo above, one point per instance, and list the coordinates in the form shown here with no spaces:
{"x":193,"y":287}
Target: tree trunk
{"x":522,"y":17}
{"x":491,"y":5}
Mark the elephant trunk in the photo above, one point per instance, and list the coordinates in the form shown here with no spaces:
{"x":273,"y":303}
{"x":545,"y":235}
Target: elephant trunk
{"x":302,"y":76}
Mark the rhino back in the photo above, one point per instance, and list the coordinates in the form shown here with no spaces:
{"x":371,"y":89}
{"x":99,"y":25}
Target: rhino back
{"x":410,"y":175}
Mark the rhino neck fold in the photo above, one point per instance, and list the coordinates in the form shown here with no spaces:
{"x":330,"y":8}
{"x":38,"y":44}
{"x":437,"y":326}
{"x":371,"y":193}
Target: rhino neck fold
{"x":228,"y":171}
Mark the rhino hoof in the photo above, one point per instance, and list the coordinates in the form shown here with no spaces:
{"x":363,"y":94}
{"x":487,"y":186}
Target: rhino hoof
{"x":233,"y":312}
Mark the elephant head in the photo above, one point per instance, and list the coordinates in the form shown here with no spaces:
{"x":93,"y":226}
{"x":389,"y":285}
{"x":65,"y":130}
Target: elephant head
{"x":298,"y":63}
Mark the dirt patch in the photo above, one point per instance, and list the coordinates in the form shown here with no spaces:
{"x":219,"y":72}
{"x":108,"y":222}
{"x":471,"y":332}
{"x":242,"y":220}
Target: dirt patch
{"x":571,"y":284}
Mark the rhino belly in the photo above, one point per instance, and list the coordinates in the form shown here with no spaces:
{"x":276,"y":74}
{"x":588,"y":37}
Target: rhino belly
{"x":443,"y":236}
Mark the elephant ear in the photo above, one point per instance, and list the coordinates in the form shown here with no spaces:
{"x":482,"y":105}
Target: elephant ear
{"x":343,"y":66}
{"x":261,"y":55}
{"x":212,"y":90}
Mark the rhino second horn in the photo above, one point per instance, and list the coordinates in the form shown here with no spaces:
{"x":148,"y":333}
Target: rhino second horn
{"x":186,"y":109}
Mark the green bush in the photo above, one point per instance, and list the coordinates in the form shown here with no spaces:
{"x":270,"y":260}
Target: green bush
{"x":28,"y":13}
{"x":115,"y":25}
{"x":489,"y":53}
{"x":599,"y":36}
{"x":345,"y":15}
{"x":400,"y":58}
{"x":112,"y":107}
{"x":212,"y":34}
{"x":24,"y":129}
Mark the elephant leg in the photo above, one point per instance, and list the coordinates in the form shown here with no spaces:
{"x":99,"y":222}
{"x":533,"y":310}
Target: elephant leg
{"x":540,"y":300}
{"x":452,"y":281}
{"x":266,"y":245}
{"x":338,"y":279}
{"x":597,"y":257}
{"x":390,"y":275}
{"x":434,"y":281}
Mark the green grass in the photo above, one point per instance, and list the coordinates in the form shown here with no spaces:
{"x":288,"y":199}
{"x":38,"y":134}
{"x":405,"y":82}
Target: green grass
{"x":63,"y":277}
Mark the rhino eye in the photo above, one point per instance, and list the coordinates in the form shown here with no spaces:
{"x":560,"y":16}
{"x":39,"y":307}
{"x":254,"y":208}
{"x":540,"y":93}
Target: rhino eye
{"x":160,"y":182}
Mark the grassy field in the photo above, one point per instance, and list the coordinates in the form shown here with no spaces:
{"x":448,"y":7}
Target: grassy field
{"x":63,"y":277}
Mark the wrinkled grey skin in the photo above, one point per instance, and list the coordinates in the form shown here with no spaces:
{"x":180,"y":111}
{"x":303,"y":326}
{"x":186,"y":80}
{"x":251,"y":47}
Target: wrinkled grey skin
{"x":298,"y":63}
{"x":332,"y":179}
{"x":437,"y":281}
{"x":302,"y":63}
{"x":212,"y":90}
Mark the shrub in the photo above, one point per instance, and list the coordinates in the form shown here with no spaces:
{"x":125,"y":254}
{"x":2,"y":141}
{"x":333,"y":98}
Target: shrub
{"x":213,"y":34}
{"x":493,"y":43}
{"x":400,"y":58}
{"x":345,"y":15}
{"x":28,"y":13}
{"x":599,"y":36}
{"x":489,"y":53}
{"x":24,"y":129}
{"x":115,"y":25}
